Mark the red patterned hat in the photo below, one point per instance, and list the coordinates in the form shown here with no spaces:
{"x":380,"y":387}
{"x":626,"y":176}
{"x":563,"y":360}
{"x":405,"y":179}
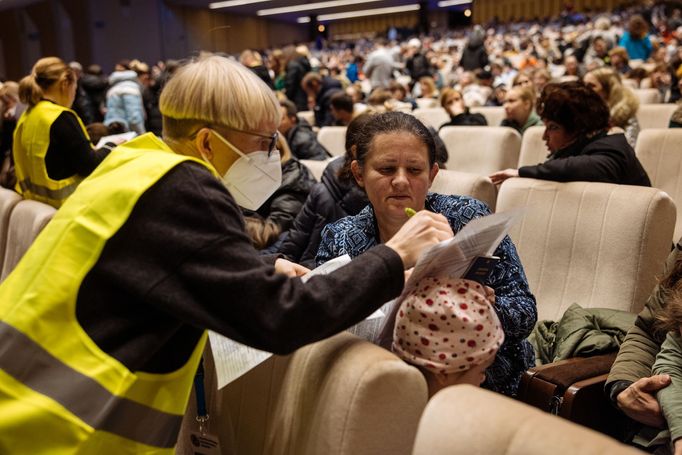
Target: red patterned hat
{"x":447,"y":325}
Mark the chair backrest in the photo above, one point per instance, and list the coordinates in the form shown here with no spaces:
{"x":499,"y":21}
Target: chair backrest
{"x":660,"y":152}
{"x":467,"y":420}
{"x":465,"y":184}
{"x":648,"y":95}
{"x":426,"y":103}
{"x":25,"y":223}
{"x":433,"y":117}
{"x":339,"y":396}
{"x":493,"y":114}
{"x":594,"y":244}
{"x":655,"y":115}
{"x":333,"y":138}
{"x":317,"y":167}
{"x":308,"y":116}
{"x":481,"y":149}
{"x":8,"y":200}
{"x":533,"y":148}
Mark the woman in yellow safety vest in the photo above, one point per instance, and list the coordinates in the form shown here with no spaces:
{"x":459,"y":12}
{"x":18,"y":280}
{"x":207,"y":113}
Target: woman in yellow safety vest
{"x":103,"y":322}
{"x":52,"y":150}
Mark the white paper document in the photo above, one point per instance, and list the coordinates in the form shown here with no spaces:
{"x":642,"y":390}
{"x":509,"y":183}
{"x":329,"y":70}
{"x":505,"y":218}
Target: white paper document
{"x":116,"y":138}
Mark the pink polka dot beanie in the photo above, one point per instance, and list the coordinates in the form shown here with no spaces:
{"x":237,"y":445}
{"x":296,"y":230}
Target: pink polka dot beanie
{"x":447,"y":326}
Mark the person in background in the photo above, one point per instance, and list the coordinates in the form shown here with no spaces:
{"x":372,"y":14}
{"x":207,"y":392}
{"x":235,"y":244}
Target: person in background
{"x":296,"y":67}
{"x":636,"y":40}
{"x":320,"y":90}
{"x":10,"y":111}
{"x":51,"y":149}
{"x":253,"y":61}
{"x":395,"y":164}
{"x":576,"y":123}
{"x":620,"y":60}
{"x":451,"y":100}
{"x":341,"y":106}
{"x":380,"y":65}
{"x":95,"y":85}
{"x":519,"y":109}
{"x":124,"y":100}
{"x":541,"y":77}
{"x":150,"y":252}
{"x":277,"y":213}
{"x":82,"y":105}
{"x":469,"y":309}
{"x":622,"y":102}
{"x":299,"y":134}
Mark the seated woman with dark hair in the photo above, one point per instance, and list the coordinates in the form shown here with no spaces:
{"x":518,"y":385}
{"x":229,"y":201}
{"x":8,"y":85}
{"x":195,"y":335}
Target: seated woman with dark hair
{"x":451,"y":100}
{"x":395,"y":164}
{"x":576,"y":122}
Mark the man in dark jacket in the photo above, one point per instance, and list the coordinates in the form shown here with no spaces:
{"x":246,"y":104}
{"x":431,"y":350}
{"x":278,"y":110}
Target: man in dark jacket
{"x":297,"y":66}
{"x":300,"y":136}
{"x":474,"y":55}
{"x":320,"y":91}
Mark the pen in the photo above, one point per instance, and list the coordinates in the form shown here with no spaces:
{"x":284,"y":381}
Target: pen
{"x":410,"y":212}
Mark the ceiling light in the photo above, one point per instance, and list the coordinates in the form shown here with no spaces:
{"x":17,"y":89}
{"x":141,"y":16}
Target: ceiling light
{"x":445,"y":3}
{"x":367,"y":12}
{"x":310,"y":6}
{"x":303,"y":20}
{"x":216,"y":5}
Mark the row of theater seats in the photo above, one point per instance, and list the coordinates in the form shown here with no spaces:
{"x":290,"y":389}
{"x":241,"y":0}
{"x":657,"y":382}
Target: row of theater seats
{"x":595,"y":244}
{"x":20,"y":223}
{"x":482,"y":150}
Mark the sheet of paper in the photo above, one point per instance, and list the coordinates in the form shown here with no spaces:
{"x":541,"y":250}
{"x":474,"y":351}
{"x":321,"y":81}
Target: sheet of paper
{"x":233,"y":359}
{"x":116,"y":138}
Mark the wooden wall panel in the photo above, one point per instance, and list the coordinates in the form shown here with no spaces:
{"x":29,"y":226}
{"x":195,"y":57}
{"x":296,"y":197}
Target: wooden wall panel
{"x":486,"y":10}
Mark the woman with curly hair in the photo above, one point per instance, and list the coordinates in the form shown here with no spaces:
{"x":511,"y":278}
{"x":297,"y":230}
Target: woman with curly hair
{"x":576,"y":123}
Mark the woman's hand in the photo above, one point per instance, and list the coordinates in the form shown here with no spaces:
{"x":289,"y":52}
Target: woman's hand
{"x":639,"y":402}
{"x":678,"y":447}
{"x":501,"y":176}
{"x":420,"y":232}
{"x":289,"y":268}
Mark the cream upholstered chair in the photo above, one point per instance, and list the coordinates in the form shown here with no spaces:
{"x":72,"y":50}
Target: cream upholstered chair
{"x":465,"y":184}
{"x":467,"y":420}
{"x":308,"y":116}
{"x":8,"y":200}
{"x":339,"y":396}
{"x":659,"y":151}
{"x":655,"y":115}
{"x":533,"y":148}
{"x":426,"y":103}
{"x":493,"y":114}
{"x":594,"y":244}
{"x":433,"y":116}
{"x":26,"y":221}
{"x":333,"y":138}
{"x":648,"y":95}
{"x":317,"y":167}
{"x":481,"y":149}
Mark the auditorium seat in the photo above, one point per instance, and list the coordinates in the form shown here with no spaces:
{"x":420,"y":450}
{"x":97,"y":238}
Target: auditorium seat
{"x":308,"y":116}
{"x":594,"y":244}
{"x":8,"y":200}
{"x":493,"y":114}
{"x":26,"y":221}
{"x":426,"y":103}
{"x":648,"y":95}
{"x":659,"y":151}
{"x":481,"y":149}
{"x":465,"y":184}
{"x":317,"y":167}
{"x":533,"y":148}
{"x":342,"y":395}
{"x":333,"y":138}
{"x":467,"y":420}
{"x":433,"y":117}
{"x":655,"y":115}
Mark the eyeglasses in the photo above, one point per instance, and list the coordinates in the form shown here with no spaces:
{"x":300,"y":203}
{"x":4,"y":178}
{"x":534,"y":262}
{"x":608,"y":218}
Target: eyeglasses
{"x":273,"y":138}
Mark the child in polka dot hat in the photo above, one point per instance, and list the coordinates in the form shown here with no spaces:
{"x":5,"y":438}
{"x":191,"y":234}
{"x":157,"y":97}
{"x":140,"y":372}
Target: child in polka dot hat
{"x":449,"y":329}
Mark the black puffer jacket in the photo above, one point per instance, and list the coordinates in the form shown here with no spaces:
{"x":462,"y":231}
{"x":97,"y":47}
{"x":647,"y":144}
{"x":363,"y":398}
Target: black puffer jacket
{"x":603,"y":158}
{"x":303,"y":142}
{"x":295,"y":70}
{"x":96,"y":89}
{"x":282,"y":207}
{"x":328,"y":201}
{"x":323,"y":113}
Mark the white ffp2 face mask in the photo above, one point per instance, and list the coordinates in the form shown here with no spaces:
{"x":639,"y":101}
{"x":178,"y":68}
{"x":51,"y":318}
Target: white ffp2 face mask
{"x":253,"y":178}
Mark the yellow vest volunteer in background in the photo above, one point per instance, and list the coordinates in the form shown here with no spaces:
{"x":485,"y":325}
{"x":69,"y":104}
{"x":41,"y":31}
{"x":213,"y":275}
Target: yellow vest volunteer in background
{"x":103,"y":321}
{"x":52,"y":150}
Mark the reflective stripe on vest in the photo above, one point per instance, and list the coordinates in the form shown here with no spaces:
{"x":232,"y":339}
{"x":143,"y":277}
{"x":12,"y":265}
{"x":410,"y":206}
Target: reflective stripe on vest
{"x":59,"y":194}
{"x":84,"y":397}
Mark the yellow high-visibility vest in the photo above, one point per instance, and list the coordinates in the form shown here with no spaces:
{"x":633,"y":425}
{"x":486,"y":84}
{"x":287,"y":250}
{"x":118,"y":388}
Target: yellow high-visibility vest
{"x":59,"y":392}
{"x":31,"y":141}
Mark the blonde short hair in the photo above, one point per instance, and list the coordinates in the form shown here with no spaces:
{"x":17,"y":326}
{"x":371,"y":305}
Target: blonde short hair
{"x":219,"y":91}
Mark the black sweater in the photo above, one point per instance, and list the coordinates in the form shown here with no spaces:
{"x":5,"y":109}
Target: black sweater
{"x":182,"y":263}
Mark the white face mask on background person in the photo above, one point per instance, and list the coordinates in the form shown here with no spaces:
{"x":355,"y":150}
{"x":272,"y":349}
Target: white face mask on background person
{"x":252,"y":178}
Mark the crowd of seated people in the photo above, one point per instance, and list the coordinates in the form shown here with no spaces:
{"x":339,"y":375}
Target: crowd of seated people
{"x":575,"y":76}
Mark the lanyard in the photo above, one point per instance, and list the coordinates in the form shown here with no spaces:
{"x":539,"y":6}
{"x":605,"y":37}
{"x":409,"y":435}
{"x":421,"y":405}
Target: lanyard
{"x":202,"y":415}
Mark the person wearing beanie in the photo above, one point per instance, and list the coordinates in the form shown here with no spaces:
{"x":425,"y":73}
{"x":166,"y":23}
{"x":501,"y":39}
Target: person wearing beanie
{"x":448,"y":328}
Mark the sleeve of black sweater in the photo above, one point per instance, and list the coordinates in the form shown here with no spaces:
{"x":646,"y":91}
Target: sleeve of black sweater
{"x":601,"y":166}
{"x":193,"y":260}
{"x":70,"y":151}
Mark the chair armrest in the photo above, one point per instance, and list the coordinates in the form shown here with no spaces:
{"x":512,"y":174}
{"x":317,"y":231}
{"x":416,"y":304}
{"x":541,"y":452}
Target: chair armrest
{"x":564,"y":373}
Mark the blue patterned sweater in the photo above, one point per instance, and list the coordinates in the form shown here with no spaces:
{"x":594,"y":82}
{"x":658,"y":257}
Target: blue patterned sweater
{"x":514,"y":302}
